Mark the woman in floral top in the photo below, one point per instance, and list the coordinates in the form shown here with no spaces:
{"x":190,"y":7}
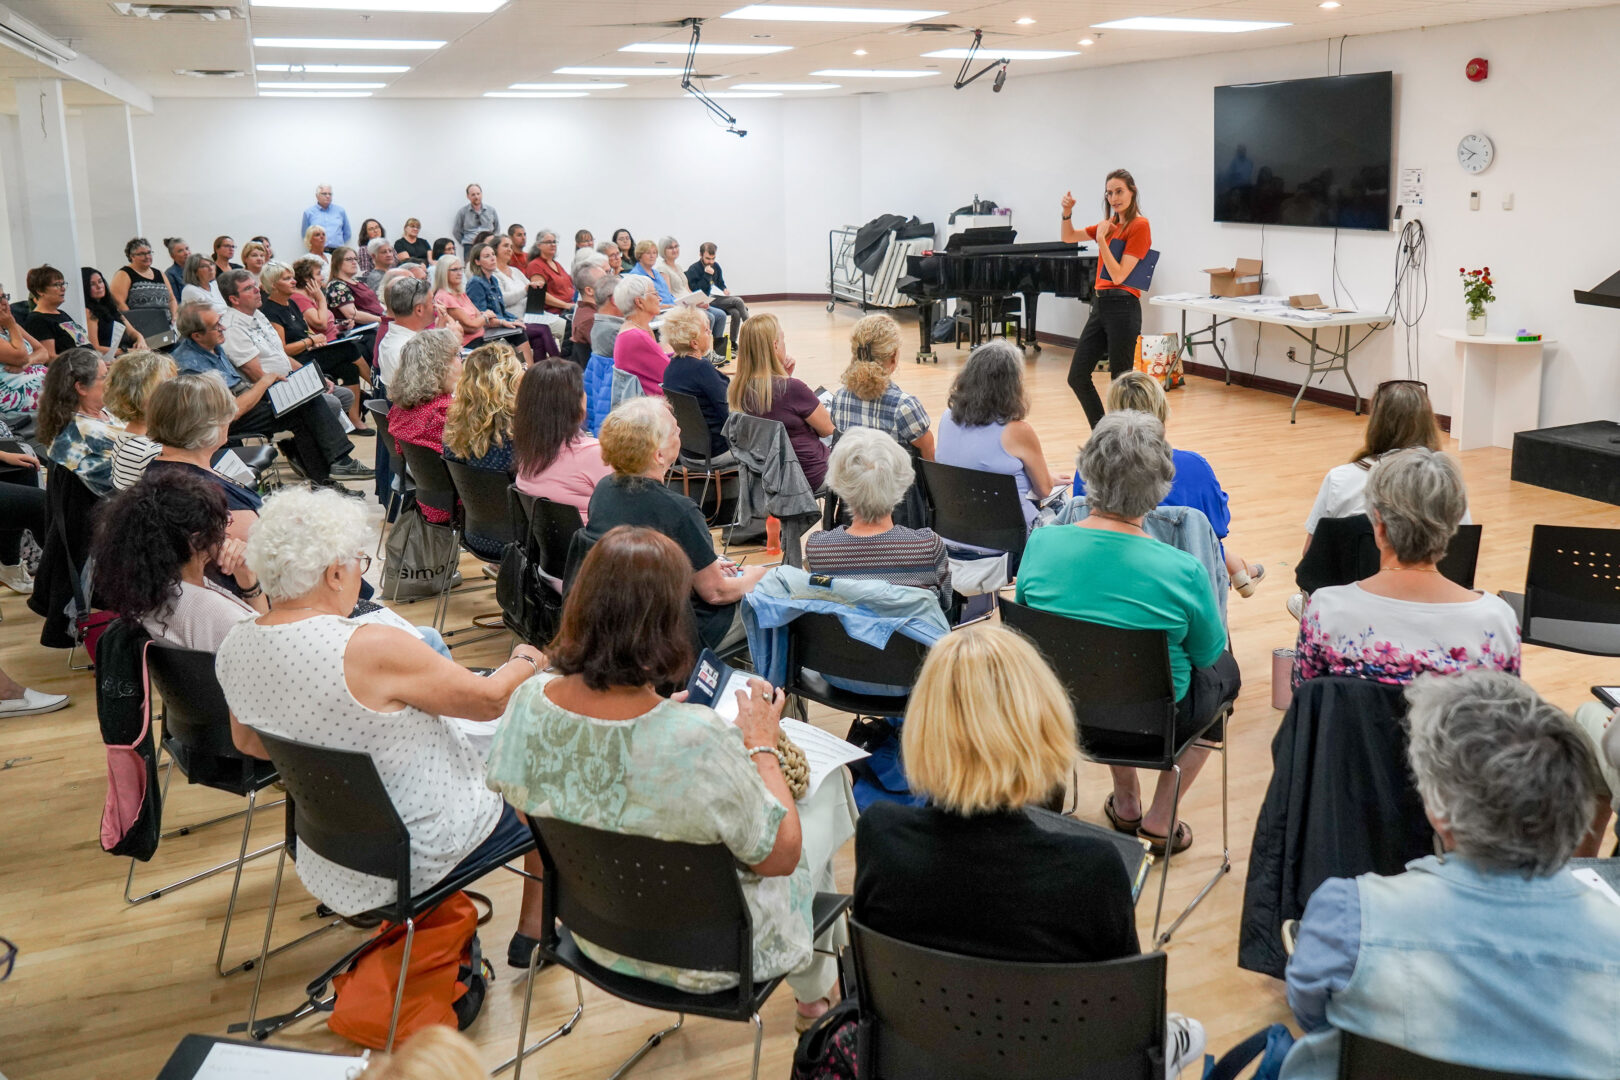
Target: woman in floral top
{"x":20,"y":376}
{"x":1408,"y":619}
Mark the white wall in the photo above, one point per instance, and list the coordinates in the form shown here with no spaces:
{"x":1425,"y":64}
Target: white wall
{"x":1545,"y":107}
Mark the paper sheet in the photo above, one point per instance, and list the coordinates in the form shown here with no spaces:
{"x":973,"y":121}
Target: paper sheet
{"x":824,"y":753}
{"x":297,"y":388}
{"x":234,"y":468}
{"x":228,"y":1061}
{"x":117,"y":336}
{"x":1588,"y":877}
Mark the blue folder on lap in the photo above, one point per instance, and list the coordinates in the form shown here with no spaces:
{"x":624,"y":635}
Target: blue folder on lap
{"x":1141,"y":275}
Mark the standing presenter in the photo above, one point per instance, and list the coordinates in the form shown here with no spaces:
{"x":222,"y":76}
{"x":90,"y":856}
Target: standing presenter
{"x":1116,"y":309}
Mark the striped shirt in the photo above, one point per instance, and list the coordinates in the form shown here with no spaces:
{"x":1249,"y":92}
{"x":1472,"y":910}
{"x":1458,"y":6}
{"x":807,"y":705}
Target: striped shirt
{"x":901,"y":556}
{"x":134,"y":454}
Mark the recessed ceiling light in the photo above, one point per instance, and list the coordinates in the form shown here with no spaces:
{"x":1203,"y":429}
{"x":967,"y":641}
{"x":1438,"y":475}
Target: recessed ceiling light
{"x":567,"y":86}
{"x":381,"y":44}
{"x":735,"y":94}
{"x":871,"y":73}
{"x":321,"y":85}
{"x":784,"y":86}
{"x":337,"y":69}
{"x":613,"y":71}
{"x":411,"y":6}
{"x":800,"y":13}
{"x":1329,"y":5}
{"x":316,"y":93}
{"x":703,"y":47}
{"x":992,"y":53}
{"x":1025,"y":21}
{"x":1086,"y":41}
{"x":1188,"y":26}
{"x":860,"y":52}
{"x":535,"y":93}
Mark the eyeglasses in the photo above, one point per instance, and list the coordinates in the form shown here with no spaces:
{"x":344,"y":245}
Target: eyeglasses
{"x":365,"y":562}
{"x":141,"y":254}
{"x":1387,"y":383}
{"x":8,"y":958}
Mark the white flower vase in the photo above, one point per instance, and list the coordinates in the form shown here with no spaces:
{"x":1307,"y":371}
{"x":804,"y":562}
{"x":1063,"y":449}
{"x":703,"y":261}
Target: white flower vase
{"x":1476,"y":325}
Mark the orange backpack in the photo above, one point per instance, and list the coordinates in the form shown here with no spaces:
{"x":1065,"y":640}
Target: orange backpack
{"x":448,"y":978}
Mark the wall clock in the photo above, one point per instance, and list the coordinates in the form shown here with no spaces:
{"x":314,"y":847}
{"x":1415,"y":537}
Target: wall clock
{"x":1475,"y":153}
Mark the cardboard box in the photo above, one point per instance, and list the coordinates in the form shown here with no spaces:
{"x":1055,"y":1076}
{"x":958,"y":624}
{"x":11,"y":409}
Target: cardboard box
{"x":1306,"y":302}
{"x":1240,"y":279}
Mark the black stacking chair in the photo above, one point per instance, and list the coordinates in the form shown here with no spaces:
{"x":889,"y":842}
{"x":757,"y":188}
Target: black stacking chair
{"x":928,"y":1014}
{"x":978,"y":508}
{"x":1125,"y":708}
{"x":1361,"y":1058}
{"x":399,"y":485}
{"x":532,"y":607}
{"x":1343,"y":551}
{"x":484,"y":511}
{"x":342,"y":812}
{"x":818,"y":647}
{"x":1571,"y":597}
{"x":697,"y":457}
{"x":1461,"y":559}
{"x":661,"y":902}
{"x":435,"y":489}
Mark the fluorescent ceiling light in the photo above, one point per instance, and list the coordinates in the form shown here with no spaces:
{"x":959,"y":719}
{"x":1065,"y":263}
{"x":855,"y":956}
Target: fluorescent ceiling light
{"x":315,"y":93}
{"x":617,"y":71}
{"x":989,"y":52}
{"x":389,"y":44}
{"x":535,"y":93}
{"x":784,"y":86}
{"x":871,"y":73}
{"x":337,"y":69}
{"x":1188,"y":26}
{"x":567,"y":86}
{"x":713,"y":50}
{"x":454,"y":7}
{"x":1025,"y":21}
{"x":321,"y":85}
{"x":734,"y":94}
{"x":800,"y":13}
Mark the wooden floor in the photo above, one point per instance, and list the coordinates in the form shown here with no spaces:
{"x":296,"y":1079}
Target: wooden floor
{"x":105,"y":990}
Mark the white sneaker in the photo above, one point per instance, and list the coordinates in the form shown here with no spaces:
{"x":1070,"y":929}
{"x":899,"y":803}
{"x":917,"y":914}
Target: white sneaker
{"x":1296,"y":606}
{"x":17,"y":579}
{"x":1184,"y":1042}
{"x":32,"y":703}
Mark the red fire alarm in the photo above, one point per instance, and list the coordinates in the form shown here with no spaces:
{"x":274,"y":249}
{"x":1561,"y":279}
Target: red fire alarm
{"x":1478,"y":69}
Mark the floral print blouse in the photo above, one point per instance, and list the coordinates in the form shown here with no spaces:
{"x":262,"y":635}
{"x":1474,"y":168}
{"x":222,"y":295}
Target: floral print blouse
{"x":1351,"y":632}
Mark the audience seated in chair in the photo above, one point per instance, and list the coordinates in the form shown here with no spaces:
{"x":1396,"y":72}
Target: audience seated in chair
{"x":190,"y":416}
{"x":625,"y":245}
{"x":982,"y":869}
{"x":276,"y":290}
{"x":871,"y":474}
{"x":410,"y":247}
{"x":370,"y":230}
{"x":380,"y":254}
{"x":478,"y":424}
{"x":53,"y":329}
{"x":309,"y":672}
{"x":640,"y":441}
{"x":255,"y":256}
{"x":1195,"y":484}
{"x":22,"y":364}
{"x":543,"y":263}
{"x":225,"y":247}
{"x":984,"y":426}
{"x":201,"y":284}
{"x":555,"y":457}
{"x":687,"y":333}
{"x":618,"y":262}
{"x":254,"y":346}
{"x":23,"y":507}
{"x":1407,"y":619}
{"x":609,"y":320}
{"x":586,"y":281}
{"x":1107,"y":569}
{"x":353,"y":300}
{"x":869,"y":397}
{"x":138,"y":285}
{"x":309,"y":280}
{"x":450,"y":293}
{"x":179,"y":252}
{"x":131,"y":379}
{"x":101,"y":314}
{"x":674,"y":277}
{"x":154,"y":543}
{"x":676,"y":771}
{"x":764,"y":386}
{"x":315,"y":241}
{"x":635,"y":351}
{"x":73,"y":423}
{"x":429,"y":370}
{"x":1491,"y":954}
{"x":705,"y":276}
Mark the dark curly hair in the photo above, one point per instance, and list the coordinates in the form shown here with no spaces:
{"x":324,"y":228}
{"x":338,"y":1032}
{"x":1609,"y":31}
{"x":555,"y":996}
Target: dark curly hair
{"x":145,"y":536}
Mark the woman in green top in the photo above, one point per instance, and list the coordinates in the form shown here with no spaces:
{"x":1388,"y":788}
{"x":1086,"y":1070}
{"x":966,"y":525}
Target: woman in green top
{"x":1106,"y":569}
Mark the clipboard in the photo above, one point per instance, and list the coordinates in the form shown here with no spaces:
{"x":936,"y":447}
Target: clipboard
{"x":1141,"y":276}
{"x":302,"y":385}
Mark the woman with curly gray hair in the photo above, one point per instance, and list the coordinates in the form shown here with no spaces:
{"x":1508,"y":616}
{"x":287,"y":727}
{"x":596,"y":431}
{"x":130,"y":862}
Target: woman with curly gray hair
{"x":429,"y":368}
{"x":1491,"y":954}
{"x":1106,"y":569}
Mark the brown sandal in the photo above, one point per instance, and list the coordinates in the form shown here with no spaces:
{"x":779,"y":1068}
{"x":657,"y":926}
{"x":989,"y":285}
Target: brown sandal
{"x":1128,"y":826}
{"x":1183,"y":841}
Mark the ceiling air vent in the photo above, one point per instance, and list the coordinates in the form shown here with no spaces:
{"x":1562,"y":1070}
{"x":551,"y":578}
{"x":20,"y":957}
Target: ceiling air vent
{"x":205,"y":12}
{"x":211,"y":73}
{"x":912,"y":29}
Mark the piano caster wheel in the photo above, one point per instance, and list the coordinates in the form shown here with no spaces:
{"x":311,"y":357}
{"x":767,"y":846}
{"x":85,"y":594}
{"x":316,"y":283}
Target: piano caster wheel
{"x":830,"y":305}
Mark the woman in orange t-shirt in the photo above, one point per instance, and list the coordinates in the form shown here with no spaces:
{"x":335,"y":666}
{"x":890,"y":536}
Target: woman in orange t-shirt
{"x":1116,"y":310}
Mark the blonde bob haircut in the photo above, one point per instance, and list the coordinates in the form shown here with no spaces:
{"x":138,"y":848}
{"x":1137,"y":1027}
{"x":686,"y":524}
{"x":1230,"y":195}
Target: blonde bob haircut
{"x":633,"y":432}
{"x":683,"y":329}
{"x":989,"y":727}
{"x":1139,"y":392}
{"x":131,"y":380}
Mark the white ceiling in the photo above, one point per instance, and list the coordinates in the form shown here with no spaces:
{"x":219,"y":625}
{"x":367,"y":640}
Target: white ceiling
{"x":525,"y":40}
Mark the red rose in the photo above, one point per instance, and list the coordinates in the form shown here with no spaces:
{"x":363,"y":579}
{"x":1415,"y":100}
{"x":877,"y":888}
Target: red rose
{"x":1460,"y":270}
{"x":1487,"y":269}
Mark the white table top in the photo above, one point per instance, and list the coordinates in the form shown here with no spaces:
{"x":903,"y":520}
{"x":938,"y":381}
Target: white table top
{"x":1491,"y":339}
{"x":1267,"y":309}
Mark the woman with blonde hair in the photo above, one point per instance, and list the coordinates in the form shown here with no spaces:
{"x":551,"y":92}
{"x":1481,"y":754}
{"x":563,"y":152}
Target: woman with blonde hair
{"x":450,"y":293}
{"x":688,"y":334}
{"x":1194,"y":485}
{"x":869,"y":396}
{"x":429,"y":369}
{"x":478,"y":427}
{"x":254,"y":257}
{"x":130,"y":382}
{"x":764,"y":386}
{"x":315,"y":241}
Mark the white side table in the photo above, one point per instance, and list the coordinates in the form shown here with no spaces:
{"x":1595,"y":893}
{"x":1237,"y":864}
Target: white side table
{"x":1500,"y":388}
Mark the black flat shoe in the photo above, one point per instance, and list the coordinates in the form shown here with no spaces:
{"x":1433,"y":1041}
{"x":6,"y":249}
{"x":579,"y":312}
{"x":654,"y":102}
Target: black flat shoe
{"x":520,"y":950}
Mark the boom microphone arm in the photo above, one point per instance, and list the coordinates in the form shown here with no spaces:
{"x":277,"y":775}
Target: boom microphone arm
{"x":963,"y":78}
{"x":697,"y":92}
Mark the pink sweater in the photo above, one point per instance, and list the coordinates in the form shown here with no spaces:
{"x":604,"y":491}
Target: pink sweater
{"x":635,"y":351}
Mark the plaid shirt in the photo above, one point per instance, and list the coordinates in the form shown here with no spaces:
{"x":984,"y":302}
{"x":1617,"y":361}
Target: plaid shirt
{"x":896,"y":412}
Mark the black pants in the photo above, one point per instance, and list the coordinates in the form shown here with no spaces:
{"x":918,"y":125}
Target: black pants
{"x":1111,"y":330}
{"x":1211,"y":688}
{"x":735,"y":309}
{"x":317,"y":433}
{"x":22,"y":506}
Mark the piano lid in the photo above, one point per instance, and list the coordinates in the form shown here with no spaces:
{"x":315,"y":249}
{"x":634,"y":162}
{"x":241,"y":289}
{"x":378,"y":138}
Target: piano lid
{"x":994,"y":234}
{"x":1605,"y":294}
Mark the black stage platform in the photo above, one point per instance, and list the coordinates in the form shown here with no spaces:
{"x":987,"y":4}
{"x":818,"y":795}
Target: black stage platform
{"x":1580,"y":459}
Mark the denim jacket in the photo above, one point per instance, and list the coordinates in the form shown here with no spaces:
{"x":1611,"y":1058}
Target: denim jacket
{"x":1182,"y":527}
{"x":1462,"y":964}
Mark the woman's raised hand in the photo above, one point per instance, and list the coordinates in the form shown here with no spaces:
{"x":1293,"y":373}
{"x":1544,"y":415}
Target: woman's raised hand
{"x":1068,"y":203}
{"x":759,"y":713}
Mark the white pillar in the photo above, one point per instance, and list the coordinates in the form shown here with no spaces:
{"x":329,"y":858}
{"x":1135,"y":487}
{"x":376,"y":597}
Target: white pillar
{"x":50,"y":230}
{"x":115,"y":209}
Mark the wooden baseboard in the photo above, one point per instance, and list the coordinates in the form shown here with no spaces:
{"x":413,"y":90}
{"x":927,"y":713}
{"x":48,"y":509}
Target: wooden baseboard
{"x":774,"y":297}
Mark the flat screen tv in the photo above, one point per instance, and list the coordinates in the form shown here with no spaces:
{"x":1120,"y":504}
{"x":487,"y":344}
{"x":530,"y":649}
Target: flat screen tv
{"x":1312,"y":152}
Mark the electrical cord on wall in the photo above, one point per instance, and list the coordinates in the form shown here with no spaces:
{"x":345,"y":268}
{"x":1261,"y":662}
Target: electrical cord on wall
{"x":1254,"y":368}
{"x":1336,"y":279}
{"x":1410,"y":297}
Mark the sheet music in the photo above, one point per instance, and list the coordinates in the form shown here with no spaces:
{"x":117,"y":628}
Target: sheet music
{"x":229,"y":1061}
{"x":117,"y":336}
{"x":297,"y":388}
{"x":824,"y":753}
{"x":234,"y":468}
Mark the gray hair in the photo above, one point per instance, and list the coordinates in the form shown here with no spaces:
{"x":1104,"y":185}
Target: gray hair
{"x":190,"y":320}
{"x":377,"y":245}
{"x":190,"y":411}
{"x":631,"y":287}
{"x":1510,"y":776}
{"x":589,"y":278}
{"x":231,"y":282}
{"x":403,"y":293}
{"x":302,"y":531}
{"x":424,"y":364}
{"x":665,"y":243}
{"x":1126,"y":464}
{"x":540,"y":236}
{"x":1419,"y":496}
{"x":271,"y":274}
{"x":194,"y":262}
{"x":606,"y":246}
{"x":607,"y":289}
{"x":870,"y":472}
{"x":585,"y":257}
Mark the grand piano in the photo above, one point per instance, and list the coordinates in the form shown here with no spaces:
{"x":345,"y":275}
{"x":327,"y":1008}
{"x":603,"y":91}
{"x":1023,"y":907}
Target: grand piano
{"x":985,"y":265}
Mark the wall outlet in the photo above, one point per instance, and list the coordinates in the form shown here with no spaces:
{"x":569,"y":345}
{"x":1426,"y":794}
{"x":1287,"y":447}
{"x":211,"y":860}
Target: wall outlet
{"x":1473,"y":200}
{"x":1290,"y":354}
{"x":1507,"y":201}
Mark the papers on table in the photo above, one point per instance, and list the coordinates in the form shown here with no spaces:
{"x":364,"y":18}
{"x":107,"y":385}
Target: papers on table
{"x":230,"y":1061}
{"x":297,"y":388}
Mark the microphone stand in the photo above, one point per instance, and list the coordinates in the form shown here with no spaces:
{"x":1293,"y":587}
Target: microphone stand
{"x":963,"y":78}
{"x":697,"y":92}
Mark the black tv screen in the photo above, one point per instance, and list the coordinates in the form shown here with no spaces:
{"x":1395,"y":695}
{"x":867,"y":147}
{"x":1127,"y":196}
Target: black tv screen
{"x":1312,"y":152}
